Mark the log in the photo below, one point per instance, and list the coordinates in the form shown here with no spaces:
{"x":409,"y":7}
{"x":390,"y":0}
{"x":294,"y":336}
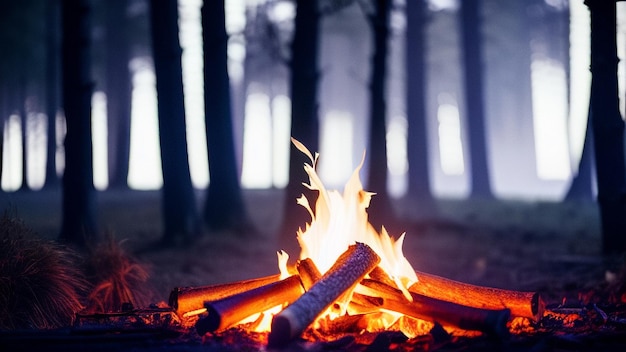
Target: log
{"x":189,"y":299}
{"x":379,"y":274}
{"x":521,"y":304}
{"x":490,"y":321}
{"x":348,"y":270}
{"x":308,"y":271}
{"x":226,"y":312}
{"x":310,"y":274}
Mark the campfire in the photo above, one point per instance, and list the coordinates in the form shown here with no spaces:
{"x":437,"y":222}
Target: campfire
{"x":350,"y":289}
{"x":350,"y":278}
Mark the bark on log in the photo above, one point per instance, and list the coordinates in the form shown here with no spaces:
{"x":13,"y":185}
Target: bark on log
{"x":522,"y":304}
{"x":226,"y":312}
{"x":491,"y":321}
{"x":348,"y":270}
{"x":188,"y":299}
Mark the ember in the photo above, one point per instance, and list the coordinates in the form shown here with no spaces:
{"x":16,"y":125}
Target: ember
{"x":350,"y":278}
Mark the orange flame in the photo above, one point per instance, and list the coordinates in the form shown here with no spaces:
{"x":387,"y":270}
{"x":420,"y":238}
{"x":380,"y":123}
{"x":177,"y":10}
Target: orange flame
{"x":340,"y":220}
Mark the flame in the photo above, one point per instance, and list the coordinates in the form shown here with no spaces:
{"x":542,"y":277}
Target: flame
{"x":340,"y":220}
{"x":283,"y":258}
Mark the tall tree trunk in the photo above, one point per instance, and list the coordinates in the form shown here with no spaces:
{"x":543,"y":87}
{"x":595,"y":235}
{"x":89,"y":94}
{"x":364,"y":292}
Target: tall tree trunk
{"x":21,"y":110}
{"x":581,"y":187}
{"x":417,"y":140}
{"x":224,"y":207}
{"x":4,"y":114}
{"x":607,"y":125}
{"x":179,"y":208}
{"x":380,"y":210}
{"x":118,"y":92}
{"x":79,"y":203}
{"x":304,"y":104}
{"x":474,"y":96}
{"x":52,"y":91}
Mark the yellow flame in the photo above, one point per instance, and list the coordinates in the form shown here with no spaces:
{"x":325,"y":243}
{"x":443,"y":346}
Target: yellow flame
{"x":283,"y":258}
{"x":340,"y":219}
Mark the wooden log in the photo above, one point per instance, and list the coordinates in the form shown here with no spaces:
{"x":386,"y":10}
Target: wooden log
{"x":347,"y":271}
{"x":308,"y":271}
{"x":491,"y":321}
{"x":522,"y":304}
{"x":188,"y":299}
{"x":226,"y":312}
{"x":310,"y":274}
{"x":379,"y":274}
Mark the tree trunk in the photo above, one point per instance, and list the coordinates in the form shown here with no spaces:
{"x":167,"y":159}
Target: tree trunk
{"x":4,"y":114}
{"x":52,"y":91}
{"x":178,"y":201}
{"x":21,"y":110}
{"x":118,"y":92}
{"x":224,"y":207}
{"x":474,"y":97}
{"x":380,"y":210}
{"x":304,"y":119}
{"x":607,"y":125}
{"x":581,"y":187}
{"x":417,"y":140}
{"x":78,"y":224}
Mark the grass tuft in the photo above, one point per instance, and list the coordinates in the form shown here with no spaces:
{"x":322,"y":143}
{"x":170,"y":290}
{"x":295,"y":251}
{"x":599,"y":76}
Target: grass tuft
{"x":41,"y":283}
{"x":117,"y":277}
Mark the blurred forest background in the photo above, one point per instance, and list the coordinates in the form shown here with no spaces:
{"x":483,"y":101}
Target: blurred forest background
{"x":450,"y":99}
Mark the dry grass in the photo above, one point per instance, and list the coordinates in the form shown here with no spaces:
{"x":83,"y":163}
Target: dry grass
{"x":117,"y":277}
{"x":41,"y":284}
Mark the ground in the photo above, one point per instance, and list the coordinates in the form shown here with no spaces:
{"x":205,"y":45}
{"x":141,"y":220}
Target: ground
{"x":503,"y":243}
{"x":550,"y":247}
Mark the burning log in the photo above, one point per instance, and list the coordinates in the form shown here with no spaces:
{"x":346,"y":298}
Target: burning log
{"x":226,"y":312}
{"x":522,"y":304}
{"x":190,"y":299}
{"x":378,"y":294}
{"x":348,"y":270}
{"x":309,"y":273}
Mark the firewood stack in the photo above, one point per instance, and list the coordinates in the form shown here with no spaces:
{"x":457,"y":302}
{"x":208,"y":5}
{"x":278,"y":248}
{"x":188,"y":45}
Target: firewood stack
{"x":356,"y":283}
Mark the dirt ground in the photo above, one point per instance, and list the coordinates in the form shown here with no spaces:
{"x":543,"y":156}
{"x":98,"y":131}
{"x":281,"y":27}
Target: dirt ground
{"x":537,"y":246}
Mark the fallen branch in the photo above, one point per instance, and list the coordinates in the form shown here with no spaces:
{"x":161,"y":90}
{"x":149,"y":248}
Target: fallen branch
{"x":228,"y":311}
{"x":190,"y":299}
{"x":383,"y":296}
{"x":347,"y":271}
{"x":522,"y":304}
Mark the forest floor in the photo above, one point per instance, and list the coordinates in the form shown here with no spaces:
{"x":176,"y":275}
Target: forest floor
{"x":503,"y":243}
{"x":550,"y":247}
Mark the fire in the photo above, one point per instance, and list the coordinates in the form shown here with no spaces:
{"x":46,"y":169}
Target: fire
{"x":340,"y":220}
{"x":347,"y":269}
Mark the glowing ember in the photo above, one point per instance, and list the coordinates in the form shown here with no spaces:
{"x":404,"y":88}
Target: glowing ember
{"x":340,"y":220}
